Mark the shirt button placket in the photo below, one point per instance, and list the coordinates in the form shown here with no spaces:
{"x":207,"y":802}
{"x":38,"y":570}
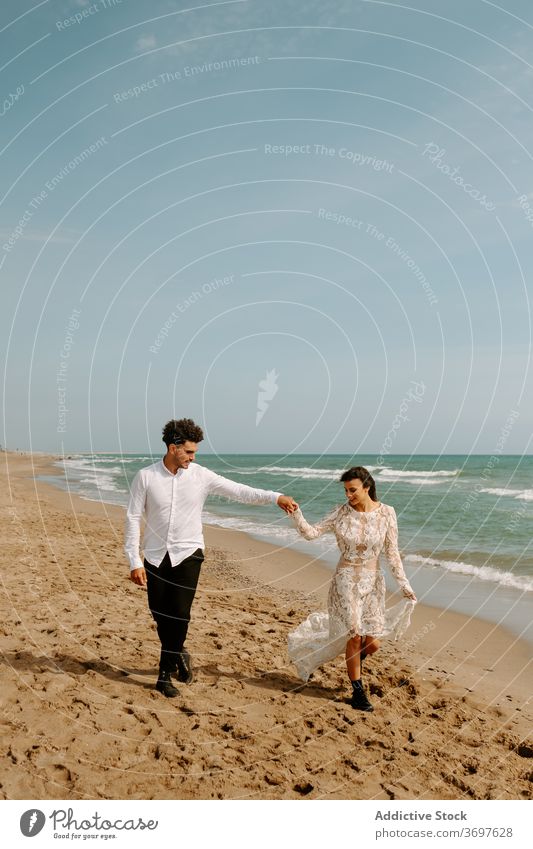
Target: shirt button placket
{"x":171,"y":507}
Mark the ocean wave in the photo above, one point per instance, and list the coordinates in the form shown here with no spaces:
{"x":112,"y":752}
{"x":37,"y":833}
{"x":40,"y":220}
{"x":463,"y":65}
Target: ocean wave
{"x":484,"y":573}
{"x":414,"y":481}
{"x":523,"y":494}
{"x":404,"y":473}
{"x":118,"y":458}
{"x":102,"y":483}
{"x":388,"y":475}
{"x":83,"y":473}
{"x":75,"y":463}
{"x":94,"y":470}
{"x":307,"y":472}
{"x":416,"y":478}
{"x":84,"y":462}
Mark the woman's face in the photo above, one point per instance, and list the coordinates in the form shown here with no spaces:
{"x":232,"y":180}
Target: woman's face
{"x":356,"y":493}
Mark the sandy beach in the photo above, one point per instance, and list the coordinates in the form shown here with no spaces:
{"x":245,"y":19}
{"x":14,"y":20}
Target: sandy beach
{"x":81,"y":719}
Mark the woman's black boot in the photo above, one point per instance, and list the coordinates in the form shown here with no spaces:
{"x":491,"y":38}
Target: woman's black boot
{"x":359,"y":699}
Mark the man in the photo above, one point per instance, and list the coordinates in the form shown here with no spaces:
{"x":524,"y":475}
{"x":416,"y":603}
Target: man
{"x":171,"y":495}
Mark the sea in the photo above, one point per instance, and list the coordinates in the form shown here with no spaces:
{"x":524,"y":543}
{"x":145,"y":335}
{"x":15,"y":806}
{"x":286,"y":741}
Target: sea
{"x":465,"y":522}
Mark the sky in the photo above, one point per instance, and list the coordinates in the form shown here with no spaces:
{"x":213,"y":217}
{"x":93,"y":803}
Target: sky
{"x":305,"y":224}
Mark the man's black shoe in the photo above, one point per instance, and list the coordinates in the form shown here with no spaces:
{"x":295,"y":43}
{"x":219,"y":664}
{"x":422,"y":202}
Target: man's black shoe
{"x":165,"y":685}
{"x":184,"y":671}
{"x":359,"y":699}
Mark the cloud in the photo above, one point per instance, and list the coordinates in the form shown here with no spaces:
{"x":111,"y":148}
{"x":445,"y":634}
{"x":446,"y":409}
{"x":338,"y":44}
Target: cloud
{"x":146,"y":42}
{"x":269,"y":20}
{"x":66,"y":236}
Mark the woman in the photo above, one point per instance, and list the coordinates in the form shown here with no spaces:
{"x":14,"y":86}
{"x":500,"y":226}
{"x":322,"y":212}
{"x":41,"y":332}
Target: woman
{"x":357,"y":616}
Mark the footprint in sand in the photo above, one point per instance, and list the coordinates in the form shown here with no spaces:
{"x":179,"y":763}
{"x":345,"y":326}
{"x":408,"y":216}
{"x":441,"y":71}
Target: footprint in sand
{"x":303,"y":788}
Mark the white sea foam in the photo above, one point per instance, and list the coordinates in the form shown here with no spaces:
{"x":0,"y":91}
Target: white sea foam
{"x":405,"y":473}
{"x":300,"y":471}
{"x":416,"y":478}
{"x":83,"y":462}
{"x":523,"y":494}
{"x":308,"y":472}
{"x":388,"y":475}
{"x":414,"y":481}
{"x":118,"y":459}
{"x":76,"y":463}
{"x":102,"y":483}
{"x":94,"y":470}
{"x":484,"y":573}
{"x":84,"y":472}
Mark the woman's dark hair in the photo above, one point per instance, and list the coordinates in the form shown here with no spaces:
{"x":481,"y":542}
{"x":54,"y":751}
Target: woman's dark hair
{"x":364,"y":476}
{"x":178,"y":431}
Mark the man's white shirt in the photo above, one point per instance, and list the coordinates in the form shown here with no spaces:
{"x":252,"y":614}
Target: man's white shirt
{"x":172,"y":506}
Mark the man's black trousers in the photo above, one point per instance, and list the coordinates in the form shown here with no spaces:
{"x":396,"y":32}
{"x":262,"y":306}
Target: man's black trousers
{"x":171,"y":592}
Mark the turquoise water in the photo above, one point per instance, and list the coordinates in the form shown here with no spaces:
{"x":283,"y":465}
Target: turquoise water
{"x":464,"y":515}
{"x":465,"y":522}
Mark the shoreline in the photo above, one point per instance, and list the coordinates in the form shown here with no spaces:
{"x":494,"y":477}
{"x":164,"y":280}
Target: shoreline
{"x":444,"y":590}
{"x":454,"y":680}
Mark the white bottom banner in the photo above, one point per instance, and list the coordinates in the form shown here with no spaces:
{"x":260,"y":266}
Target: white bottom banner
{"x":311,"y":824}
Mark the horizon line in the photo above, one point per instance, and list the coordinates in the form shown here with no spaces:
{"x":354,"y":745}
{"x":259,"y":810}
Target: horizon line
{"x":277,"y":453}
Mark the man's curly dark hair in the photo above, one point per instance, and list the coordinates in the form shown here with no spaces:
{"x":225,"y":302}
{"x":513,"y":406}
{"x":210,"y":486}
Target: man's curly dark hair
{"x":178,"y":431}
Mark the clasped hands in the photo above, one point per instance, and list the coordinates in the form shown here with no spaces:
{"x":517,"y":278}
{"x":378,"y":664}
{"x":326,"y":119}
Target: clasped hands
{"x":288,"y":504}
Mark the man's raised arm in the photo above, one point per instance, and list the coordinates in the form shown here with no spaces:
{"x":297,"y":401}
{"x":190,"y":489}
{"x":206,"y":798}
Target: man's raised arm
{"x":218,"y":485}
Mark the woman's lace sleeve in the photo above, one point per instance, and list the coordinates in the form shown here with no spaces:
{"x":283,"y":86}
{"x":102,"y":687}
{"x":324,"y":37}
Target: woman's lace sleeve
{"x":392,"y":552}
{"x":313,"y":531}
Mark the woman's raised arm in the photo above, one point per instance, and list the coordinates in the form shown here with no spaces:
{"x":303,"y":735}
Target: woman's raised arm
{"x":313,"y":531}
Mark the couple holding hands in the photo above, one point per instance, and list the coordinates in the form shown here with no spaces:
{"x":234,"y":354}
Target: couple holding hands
{"x":170,"y":496}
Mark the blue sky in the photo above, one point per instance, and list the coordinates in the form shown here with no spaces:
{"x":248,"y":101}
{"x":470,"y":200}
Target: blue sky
{"x":327,"y":196}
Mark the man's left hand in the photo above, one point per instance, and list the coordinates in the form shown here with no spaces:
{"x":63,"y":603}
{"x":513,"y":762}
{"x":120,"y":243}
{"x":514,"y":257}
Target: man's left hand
{"x":287,"y":503}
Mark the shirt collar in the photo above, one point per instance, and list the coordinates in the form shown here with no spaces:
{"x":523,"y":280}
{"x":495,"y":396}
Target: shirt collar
{"x":168,"y":472}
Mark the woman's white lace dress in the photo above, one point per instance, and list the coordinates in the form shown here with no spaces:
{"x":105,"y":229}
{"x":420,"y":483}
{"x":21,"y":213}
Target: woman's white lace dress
{"x":356,"y":600}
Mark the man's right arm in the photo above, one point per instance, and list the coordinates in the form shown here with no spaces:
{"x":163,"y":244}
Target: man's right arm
{"x":134,"y":513}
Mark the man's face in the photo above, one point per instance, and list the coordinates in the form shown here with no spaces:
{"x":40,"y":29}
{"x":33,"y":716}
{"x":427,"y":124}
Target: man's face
{"x":183,"y":455}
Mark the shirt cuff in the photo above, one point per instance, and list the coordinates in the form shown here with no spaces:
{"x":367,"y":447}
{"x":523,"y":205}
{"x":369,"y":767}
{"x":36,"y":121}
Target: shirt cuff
{"x":275,"y":496}
{"x":136,"y":563}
